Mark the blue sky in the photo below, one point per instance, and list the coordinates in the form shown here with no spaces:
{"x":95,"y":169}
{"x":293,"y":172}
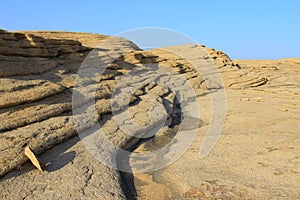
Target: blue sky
{"x":242,"y":29}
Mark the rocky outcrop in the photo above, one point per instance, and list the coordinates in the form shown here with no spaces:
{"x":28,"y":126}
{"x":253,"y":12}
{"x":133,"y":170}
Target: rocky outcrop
{"x":38,"y":72}
{"x":39,"y":76}
{"x":255,"y":157}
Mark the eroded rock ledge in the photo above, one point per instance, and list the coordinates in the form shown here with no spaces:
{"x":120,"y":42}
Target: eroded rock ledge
{"x":38,"y":71}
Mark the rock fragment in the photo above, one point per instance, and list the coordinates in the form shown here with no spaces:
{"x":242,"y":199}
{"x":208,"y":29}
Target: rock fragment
{"x":39,"y":164}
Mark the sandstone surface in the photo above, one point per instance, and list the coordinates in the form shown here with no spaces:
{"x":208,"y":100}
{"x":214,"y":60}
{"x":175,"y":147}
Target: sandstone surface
{"x":256,"y":156}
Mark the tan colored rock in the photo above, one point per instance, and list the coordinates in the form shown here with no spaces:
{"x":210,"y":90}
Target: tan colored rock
{"x":255,"y":157}
{"x":40,"y":165}
{"x":37,"y":75}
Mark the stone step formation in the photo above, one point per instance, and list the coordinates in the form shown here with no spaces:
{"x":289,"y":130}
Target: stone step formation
{"x":38,"y":76}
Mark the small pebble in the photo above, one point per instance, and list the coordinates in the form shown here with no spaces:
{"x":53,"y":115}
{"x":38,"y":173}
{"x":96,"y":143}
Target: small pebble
{"x":257,"y":98}
{"x":244,"y":99}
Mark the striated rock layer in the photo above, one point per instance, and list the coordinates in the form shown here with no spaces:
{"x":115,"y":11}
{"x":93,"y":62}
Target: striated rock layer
{"x":255,"y":155}
{"x":38,"y":72}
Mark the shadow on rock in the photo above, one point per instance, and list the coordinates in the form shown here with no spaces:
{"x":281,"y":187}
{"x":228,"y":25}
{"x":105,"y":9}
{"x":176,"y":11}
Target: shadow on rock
{"x":62,"y":160}
{"x":56,"y":158}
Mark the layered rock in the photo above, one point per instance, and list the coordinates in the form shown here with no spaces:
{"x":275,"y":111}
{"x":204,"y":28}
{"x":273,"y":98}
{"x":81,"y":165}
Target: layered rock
{"x":39,"y":75}
{"x":38,"y":72}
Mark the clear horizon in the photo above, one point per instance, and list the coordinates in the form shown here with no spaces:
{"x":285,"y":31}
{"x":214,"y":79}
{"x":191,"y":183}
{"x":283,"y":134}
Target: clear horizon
{"x":243,"y":30}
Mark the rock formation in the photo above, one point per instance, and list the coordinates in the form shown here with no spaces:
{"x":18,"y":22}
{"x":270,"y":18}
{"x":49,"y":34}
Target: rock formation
{"x":255,"y":155}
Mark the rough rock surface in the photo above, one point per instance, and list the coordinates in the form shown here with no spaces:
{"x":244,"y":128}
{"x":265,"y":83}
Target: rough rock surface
{"x":38,"y":72}
{"x":255,"y":157}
